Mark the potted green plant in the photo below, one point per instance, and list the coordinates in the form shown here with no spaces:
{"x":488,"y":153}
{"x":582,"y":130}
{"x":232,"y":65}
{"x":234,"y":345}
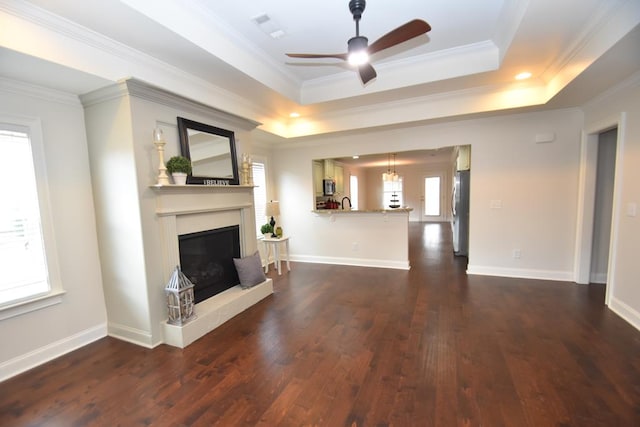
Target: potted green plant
{"x":266,"y":230}
{"x":179,"y":167}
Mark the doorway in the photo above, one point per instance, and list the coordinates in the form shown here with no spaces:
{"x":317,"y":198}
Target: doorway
{"x":603,"y":206}
{"x":432,"y":198}
{"x":587,"y":225}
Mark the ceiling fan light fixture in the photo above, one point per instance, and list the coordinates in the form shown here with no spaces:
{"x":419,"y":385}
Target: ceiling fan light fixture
{"x":357,"y":47}
{"x":358,"y":58}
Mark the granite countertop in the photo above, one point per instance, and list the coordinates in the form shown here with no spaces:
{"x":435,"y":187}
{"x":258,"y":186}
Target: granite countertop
{"x":348,"y":211}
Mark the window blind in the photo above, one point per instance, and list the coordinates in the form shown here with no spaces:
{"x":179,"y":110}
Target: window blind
{"x":259,"y":194}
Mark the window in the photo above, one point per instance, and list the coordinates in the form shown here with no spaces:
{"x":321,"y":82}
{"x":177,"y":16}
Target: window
{"x":432,"y":196}
{"x":353,"y":191}
{"x":27,"y":256}
{"x":259,"y":194}
{"x":392,"y":193}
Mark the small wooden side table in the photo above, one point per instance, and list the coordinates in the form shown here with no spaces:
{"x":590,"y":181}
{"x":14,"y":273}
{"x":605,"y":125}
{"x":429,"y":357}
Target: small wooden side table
{"x":276,"y":242}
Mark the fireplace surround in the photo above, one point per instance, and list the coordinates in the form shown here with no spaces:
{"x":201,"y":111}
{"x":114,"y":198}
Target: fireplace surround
{"x":188,"y":209}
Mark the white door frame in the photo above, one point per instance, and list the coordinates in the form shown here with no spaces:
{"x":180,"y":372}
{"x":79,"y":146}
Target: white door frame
{"x":586,"y":201}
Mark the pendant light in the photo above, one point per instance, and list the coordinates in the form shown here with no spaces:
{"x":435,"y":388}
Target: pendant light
{"x":394,"y":175}
{"x":387,"y":175}
{"x":394,"y":201}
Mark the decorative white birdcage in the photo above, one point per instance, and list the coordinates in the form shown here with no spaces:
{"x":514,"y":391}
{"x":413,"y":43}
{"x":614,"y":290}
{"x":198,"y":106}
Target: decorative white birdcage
{"x":180,"y":299}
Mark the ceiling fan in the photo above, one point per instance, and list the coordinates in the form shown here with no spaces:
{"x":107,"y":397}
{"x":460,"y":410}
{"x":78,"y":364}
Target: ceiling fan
{"x":358,"y":50}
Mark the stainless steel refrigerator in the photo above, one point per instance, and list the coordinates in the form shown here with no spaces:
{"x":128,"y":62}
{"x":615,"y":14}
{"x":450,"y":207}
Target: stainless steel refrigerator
{"x":460,"y":213}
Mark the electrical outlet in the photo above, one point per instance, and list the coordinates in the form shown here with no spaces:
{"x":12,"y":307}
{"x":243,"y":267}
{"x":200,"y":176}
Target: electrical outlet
{"x":354,"y":246}
{"x":517,"y":254}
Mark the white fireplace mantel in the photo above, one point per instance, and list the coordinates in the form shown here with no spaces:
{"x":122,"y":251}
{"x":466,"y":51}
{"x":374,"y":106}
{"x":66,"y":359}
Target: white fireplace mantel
{"x":181,"y":199}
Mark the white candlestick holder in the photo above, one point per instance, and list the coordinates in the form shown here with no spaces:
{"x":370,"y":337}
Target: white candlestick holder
{"x":159,"y":142}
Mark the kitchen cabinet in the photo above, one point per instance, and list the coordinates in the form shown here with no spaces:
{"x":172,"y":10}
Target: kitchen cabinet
{"x":318,"y":176}
{"x":329,"y":169}
{"x":339,"y":178}
{"x":463,"y":160}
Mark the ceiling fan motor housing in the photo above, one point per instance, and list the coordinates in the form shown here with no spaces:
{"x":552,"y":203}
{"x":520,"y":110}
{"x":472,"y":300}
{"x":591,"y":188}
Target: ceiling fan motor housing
{"x":357,"y":43}
{"x":357,"y":7}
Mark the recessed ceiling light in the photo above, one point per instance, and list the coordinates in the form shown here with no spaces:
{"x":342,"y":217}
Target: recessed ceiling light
{"x":523,"y":76}
{"x":355,"y":157}
{"x":294,"y":115}
{"x":277,"y":34}
{"x":268,"y":26}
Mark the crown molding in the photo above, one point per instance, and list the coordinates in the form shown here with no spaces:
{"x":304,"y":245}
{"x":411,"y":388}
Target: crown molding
{"x":435,"y":66}
{"x":222,"y":41}
{"x":430,"y":107}
{"x":510,"y":19}
{"x":597,"y":34}
{"x":39,"y":92}
{"x":631,"y":82}
{"x":143,"y":66}
{"x":148,"y":92}
{"x":52,"y":22}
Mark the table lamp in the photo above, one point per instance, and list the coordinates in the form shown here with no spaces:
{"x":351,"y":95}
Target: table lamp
{"x":272,"y":210}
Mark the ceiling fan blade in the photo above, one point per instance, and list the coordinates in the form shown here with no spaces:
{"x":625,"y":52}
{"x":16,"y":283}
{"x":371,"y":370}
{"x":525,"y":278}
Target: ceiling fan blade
{"x":342,"y":56}
{"x":367,"y":73}
{"x":400,"y":35}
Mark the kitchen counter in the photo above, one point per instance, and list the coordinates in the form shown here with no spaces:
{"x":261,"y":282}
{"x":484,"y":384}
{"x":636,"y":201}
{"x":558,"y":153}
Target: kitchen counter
{"x":369,"y":237}
{"x":348,"y":211}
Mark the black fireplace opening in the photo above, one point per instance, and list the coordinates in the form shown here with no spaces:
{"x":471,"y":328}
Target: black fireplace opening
{"x":206,"y":258}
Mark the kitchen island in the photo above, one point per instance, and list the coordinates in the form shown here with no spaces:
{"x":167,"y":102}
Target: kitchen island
{"x":356,"y":211}
{"x":370,"y":237}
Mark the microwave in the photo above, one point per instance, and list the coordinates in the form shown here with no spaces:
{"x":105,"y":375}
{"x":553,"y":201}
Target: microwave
{"x":329,"y":187}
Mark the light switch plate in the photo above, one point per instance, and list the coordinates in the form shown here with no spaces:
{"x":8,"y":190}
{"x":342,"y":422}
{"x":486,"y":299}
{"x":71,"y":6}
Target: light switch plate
{"x":632,"y":209}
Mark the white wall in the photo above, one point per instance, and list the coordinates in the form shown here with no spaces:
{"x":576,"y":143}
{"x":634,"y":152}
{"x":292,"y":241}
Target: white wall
{"x":33,"y":338}
{"x":536,"y":184}
{"x":624,"y":270}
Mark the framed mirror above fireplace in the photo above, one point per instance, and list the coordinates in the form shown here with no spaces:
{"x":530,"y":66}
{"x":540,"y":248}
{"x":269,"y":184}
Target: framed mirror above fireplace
{"x":212,"y":152}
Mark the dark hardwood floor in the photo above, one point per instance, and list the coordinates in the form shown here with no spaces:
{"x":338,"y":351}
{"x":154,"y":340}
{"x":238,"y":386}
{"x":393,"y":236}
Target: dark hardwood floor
{"x":349,"y":346}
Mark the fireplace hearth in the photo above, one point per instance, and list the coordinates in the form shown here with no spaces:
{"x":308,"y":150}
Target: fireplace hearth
{"x":206,"y":258}
{"x":190,"y":210}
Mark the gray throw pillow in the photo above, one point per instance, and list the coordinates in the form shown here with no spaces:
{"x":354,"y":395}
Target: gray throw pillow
{"x":249,"y":270}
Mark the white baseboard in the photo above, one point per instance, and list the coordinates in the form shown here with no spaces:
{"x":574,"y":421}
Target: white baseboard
{"x":44,"y":354}
{"x":564,"y":276}
{"x":357,"y":262}
{"x":626,"y":312}
{"x":132,"y":335}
